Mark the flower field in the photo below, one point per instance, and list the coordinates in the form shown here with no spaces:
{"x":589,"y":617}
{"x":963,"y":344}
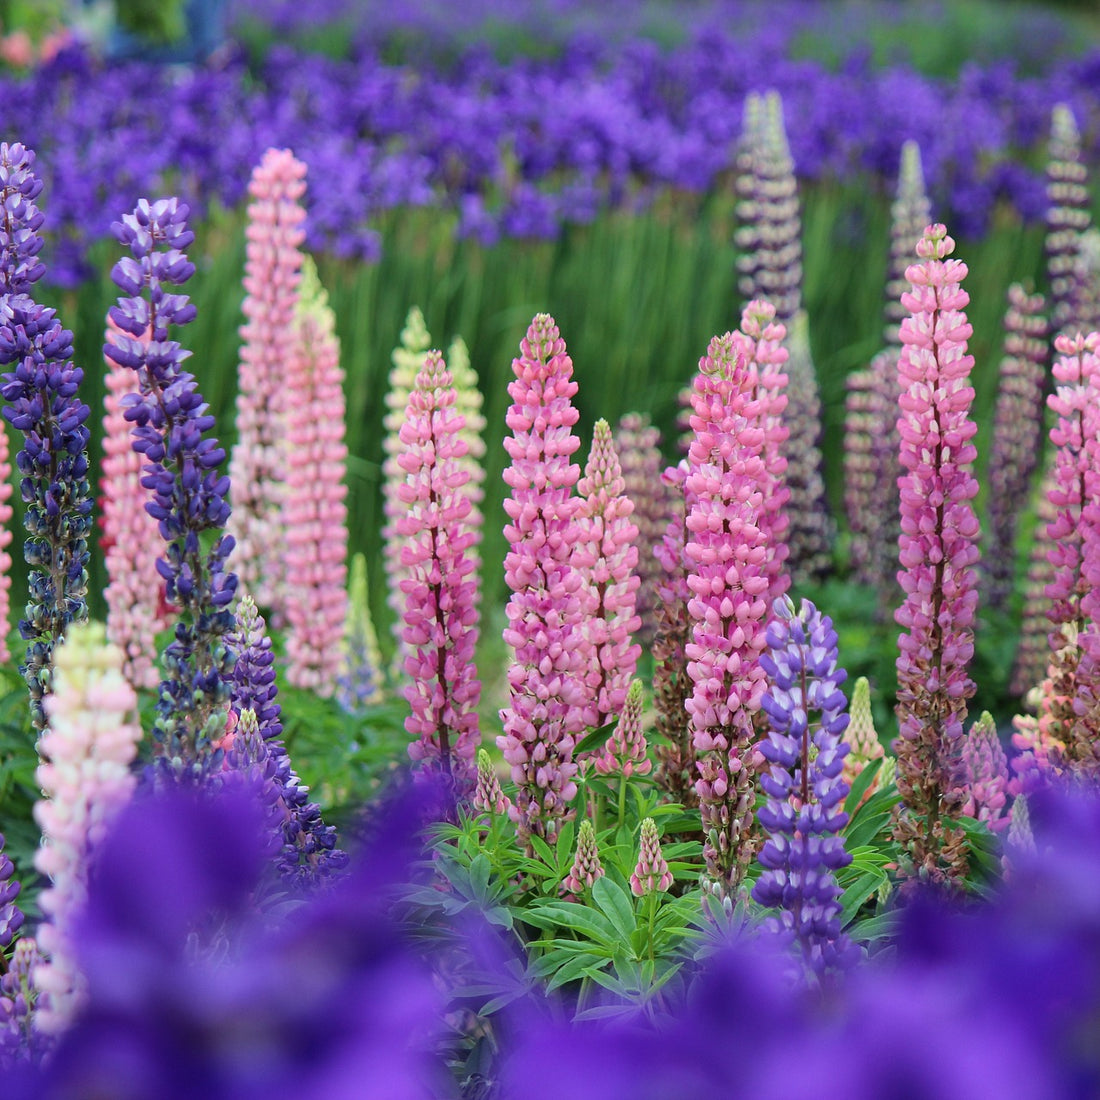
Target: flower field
{"x":551,"y":552}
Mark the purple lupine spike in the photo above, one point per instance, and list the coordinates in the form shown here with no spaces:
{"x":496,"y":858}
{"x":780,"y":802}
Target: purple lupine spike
{"x":41,"y":394}
{"x":182,"y":470}
{"x":1067,"y":218}
{"x":803,"y":814}
{"x":1017,"y":437}
{"x":545,"y":610}
{"x":586,"y":863}
{"x":309,"y":852}
{"x":651,"y":873}
{"x":910,"y":212}
{"x":440,"y":585}
{"x":249,"y":762}
{"x":607,"y":555}
{"x":11,"y":916}
{"x":20,"y":1040}
{"x":938,"y":552}
{"x":986,"y":774}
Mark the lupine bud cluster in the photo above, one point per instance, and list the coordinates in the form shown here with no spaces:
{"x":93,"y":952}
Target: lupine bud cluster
{"x":909,"y":214}
{"x":488,"y":797}
{"x":20,"y":1039}
{"x":314,"y":594}
{"x":40,"y":392}
{"x":651,"y":873}
{"x":803,"y":815}
{"x":249,"y":762}
{"x":938,"y":552}
{"x":864,"y":746}
{"x":441,"y":618}
{"x":88,"y":748}
{"x":606,"y":555}
{"x":182,"y":474}
{"x":546,"y":609}
{"x":360,"y":682}
{"x":986,"y":774}
{"x":1017,"y":436}
{"x":586,"y":863}
{"x":258,"y":466}
{"x":626,"y":751}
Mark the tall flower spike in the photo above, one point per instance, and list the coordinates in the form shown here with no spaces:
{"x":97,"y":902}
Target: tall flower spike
{"x":20,"y":1039}
{"x":488,"y":797}
{"x":182,"y":473}
{"x":130,"y":540}
{"x":1017,"y":437}
{"x":41,"y":395}
{"x":440,"y":587}
{"x":910,"y":213}
{"x":586,"y":864}
{"x":468,"y":403}
{"x":727,"y":560}
{"x":258,"y":466}
{"x":249,"y":762}
{"x":11,"y":916}
{"x":315,"y":596}
{"x":545,"y":712}
{"x":803,"y":814}
{"x":90,"y":744}
{"x":1033,"y":650}
{"x":5,"y":541}
{"x":986,"y":774}
{"x":607,"y":555}
{"x":938,"y":552}
{"x":864,"y":746}
{"x":651,"y":874}
{"x":625,"y":751}
{"x":1068,"y":217}
{"x":360,"y":683}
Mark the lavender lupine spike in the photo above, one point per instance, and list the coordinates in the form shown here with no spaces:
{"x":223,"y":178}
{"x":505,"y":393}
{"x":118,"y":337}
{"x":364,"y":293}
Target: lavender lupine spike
{"x":309,"y":851}
{"x":812,"y":531}
{"x":625,"y":752}
{"x":1068,"y":217}
{"x":6,"y":512}
{"x":11,"y":916}
{"x":20,"y":1039}
{"x":986,"y":774}
{"x":607,"y":555}
{"x":360,"y":683}
{"x":938,"y":553}
{"x":182,"y":472}
{"x":440,"y":586}
{"x":803,"y":815}
{"x":910,"y":213}
{"x":1017,"y":437}
{"x":249,"y":762}
{"x":586,"y":863}
{"x":651,"y":873}
{"x":488,"y":797}
{"x":545,"y":611}
{"x":727,"y":558}
{"x":641,"y":462}
{"x":41,"y":395}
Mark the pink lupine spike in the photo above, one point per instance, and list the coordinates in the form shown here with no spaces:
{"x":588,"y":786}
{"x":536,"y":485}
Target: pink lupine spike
{"x":257,"y":467}
{"x":488,"y":797}
{"x":626,"y":749}
{"x":440,"y":587}
{"x":607,"y":556}
{"x":1042,"y":738}
{"x":938,"y":552}
{"x":315,"y":599}
{"x":545,"y":611}
{"x":986,"y":774}
{"x":651,"y":874}
{"x":586,"y":864}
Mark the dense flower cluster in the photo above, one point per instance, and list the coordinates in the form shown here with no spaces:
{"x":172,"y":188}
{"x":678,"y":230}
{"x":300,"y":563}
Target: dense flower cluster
{"x":586,"y":863}
{"x":986,"y":774}
{"x":360,"y":681}
{"x":651,"y":872}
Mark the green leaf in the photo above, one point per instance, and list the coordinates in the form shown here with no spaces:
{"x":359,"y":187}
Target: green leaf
{"x":880,"y":927}
{"x":544,"y":851}
{"x":862,"y":782}
{"x":614,"y":903}
{"x":568,"y":914}
{"x":564,"y":848}
{"x":858,"y":892}
{"x":595,"y":739}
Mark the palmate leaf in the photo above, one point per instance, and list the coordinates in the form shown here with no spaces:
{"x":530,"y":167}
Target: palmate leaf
{"x":556,"y":915}
{"x":614,"y":902}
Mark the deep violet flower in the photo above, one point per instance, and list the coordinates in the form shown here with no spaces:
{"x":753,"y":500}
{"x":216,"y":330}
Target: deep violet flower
{"x":803,"y":814}
{"x":545,"y":611}
{"x":5,"y":542}
{"x":41,"y":401}
{"x":938,"y":552}
{"x":182,"y":474}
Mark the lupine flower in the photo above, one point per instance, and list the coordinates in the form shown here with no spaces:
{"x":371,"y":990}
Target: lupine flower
{"x":468,"y":403}
{"x":641,"y":463}
{"x":606,"y":556}
{"x":1019,"y":840}
{"x":651,"y":874}
{"x":1042,"y":737}
{"x":441,"y":620}
{"x":249,"y":762}
{"x":130,"y":540}
{"x":803,"y":815}
{"x":488,"y":797}
{"x":909,"y":214}
{"x":986,"y":774}
{"x":938,"y":552}
{"x":11,"y":916}
{"x":586,"y":864}
{"x":5,"y":542}
{"x":41,"y":394}
{"x":545,"y":611}
{"x":309,"y":853}
{"x":21,"y":1042}
{"x":769,"y":240}
{"x":1033,"y":650}
{"x":314,"y":594}
{"x":1088,"y":279}
{"x":727,"y":558}
{"x":1017,"y":436}
{"x":626,"y":751}
{"x":360,"y":683}
{"x":88,"y":748}
{"x":258,"y":467}
{"x":864,"y":746}
{"x":181,"y":471}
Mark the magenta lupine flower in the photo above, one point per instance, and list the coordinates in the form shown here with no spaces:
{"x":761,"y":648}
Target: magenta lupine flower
{"x":488,"y":797}
{"x":626,"y":751}
{"x":606,"y":555}
{"x":87,"y":749}
{"x":586,"y":863}
{"x":441,"y":619}
{"x":938,"y":553}
{"x":135,"y":610}
{"x":257,"y":466}
{"x":1017,"y":437}
{"x":546,"y":608}
{"x":910,"y":212}
{"x":651,"y":873}
{"x":986,"y":774}
{"x":805,"y":788}
{"x":727,"y":556}
{"x":315,"y":516}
